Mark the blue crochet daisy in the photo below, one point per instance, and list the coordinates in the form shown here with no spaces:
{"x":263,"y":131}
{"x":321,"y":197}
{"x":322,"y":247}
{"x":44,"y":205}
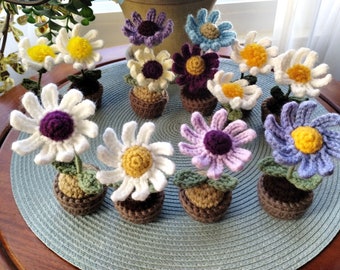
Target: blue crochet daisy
{"x":300,"y":140}
{"x":204,"y":31}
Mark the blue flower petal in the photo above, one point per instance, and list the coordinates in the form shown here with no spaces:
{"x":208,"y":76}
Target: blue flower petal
{"x":304,"y":113}
{"x":307,"y":167}
{"x":224,"y":26}
{"x":288,"y":114}
{"x":213,"y":16}
{"x":202,"y":16}
{"x":325,"y":121}
{"x":324,"y":163}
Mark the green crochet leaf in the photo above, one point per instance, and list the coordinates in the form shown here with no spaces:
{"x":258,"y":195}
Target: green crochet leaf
{"x":232,"y":114}
{"x":88,"y":182}
{"x":268,"y":166}
{"x":187,"y":179}
{"x":65,"y":167}
{"x":224,"y":183}
{"x":305,"y":184}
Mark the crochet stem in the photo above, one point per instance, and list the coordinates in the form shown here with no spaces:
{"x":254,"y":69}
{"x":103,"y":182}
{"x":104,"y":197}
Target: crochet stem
{"x":289,"y":91}
{"x":78,"y":163}
{"x":242,"y":75}
{"x":290,"y":172}
{"x":39,"y":82}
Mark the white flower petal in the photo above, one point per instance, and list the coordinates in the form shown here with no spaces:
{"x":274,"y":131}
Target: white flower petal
{"x":32,"y":105}
{"x":49,"y":96}
{"x":108,"y":157}
{"x":21,"y":122}
{"x":165,"y":165}
{"x":111,"y":140}
{"x":158,"y":180}
{"x":161,"y":148}
{"x":46,"y":155}
{"x":27,"y":145}
{"x":110,"y":177}
{"x":145,"y":133}
{"x":142,"y":190}
{"x":123,"y":191}
{"x":128,"y":133}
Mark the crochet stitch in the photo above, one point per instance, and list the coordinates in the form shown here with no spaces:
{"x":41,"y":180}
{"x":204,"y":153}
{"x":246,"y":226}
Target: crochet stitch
{"x":150,"y":31}
{"x":298,"y":140}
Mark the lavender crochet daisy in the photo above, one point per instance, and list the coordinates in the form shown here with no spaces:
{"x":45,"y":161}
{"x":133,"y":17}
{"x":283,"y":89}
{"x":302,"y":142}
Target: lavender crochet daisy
{"x":149,"y":32}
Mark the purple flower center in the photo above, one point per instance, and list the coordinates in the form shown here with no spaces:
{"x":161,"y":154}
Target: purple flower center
{"x":152,"y":70}
{"x":148,"y":28}
{"x":57,"y":126}
{"x":217,"y":142}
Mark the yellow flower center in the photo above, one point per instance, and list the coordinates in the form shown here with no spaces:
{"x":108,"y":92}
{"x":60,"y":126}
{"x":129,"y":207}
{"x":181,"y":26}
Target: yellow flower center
{"x":79,"y":48}
{"x":308,"y":140}
{"x":195,"y":65}
{"x":38,"y":53}
{"x":210,"y":31}
{"x":299,"y":73}
{"x":254,"y":54}
{"x":136,"y":161}
{"x":232,"y":90}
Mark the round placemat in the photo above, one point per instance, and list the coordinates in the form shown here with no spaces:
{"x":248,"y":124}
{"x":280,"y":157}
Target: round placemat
{"x":246,"y":238}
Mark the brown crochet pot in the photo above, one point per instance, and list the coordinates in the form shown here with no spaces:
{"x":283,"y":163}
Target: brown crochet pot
{"x":148,"y":110}
{"x":78,"y":207}
{"x":205,"y":105}
{"x":281,"y":199}
{"x":205,"y":215}
{"x":141,"y":212}
{"x":96,"y":97}
{"x":270,"y":106}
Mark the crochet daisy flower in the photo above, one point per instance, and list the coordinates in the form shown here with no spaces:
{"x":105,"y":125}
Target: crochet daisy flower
{"x":149,"y":32}
{"x":79,"y":50}
{"x":296,"y":68}
{"x":214,"y":146}
{"x":59,"y":129}
{"x":194,"y":67}
{"x":255,"y":57}
{"x":136,"y":162}
{"x":38,"y":56}
{"x":239,"y":94}
{"x":204,"y":31}
{"x":300,"y":140}
{"x":150,"y":70}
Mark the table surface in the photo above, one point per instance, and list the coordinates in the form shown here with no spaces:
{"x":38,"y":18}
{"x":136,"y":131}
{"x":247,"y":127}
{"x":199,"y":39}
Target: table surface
{"x":21,"y":249}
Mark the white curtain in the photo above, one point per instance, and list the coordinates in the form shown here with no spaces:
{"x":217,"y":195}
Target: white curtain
{"x":310,"y":23}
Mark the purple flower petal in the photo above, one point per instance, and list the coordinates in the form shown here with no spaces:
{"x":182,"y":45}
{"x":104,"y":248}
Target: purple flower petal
{"x":288,"y":116}
{"x":324,"y":163}
{"x":304,"y":113}
{"x":235,"y":127}
{"x":307,"y":167}
{"x":202,"y":160}
{"x":216,"y":169}
{"x":325,"y":121}
{"x":199,"y":123}
{"x":219,"y":119}
{"x":189,"y":149}
{"x":190,"y":134}
{"x":244,"y":137}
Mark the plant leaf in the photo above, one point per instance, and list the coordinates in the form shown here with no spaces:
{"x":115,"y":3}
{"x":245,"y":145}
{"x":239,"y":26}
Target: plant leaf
{"x":187,"y":179}
{"x":224,"y":183}
{"x":268,"y":166}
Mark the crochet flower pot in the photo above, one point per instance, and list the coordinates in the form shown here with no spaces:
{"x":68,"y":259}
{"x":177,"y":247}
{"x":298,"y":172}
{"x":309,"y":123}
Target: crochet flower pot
{"x":302,"y":151}
{"x":146,"y":104}
{"x":271,"y":106}
{"x":281,"y":199}
{"x":92,"y":92}
{"x":205,"y":203}
{"x":73,"y":199}
{"x":206,"y":195}
{"x":204,"y":102}
{"x":141,"y":212}
{"x":139,"y":171}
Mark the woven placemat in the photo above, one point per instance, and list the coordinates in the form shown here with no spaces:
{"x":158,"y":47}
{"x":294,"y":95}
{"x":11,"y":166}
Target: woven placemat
{"x":247,"y":238}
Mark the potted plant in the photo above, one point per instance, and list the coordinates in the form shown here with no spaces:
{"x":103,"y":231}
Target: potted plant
{"x":206,"y":194}
{"x":139,"y":171}
{"x":296,"y":70}
{"x":60,"y":130}
{"x":303,"y":149}
{"x":194,"y":68}
{"x":80,"y":51}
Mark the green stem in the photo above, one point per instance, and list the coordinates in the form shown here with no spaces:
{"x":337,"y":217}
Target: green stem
{"x":39,"y":82}
{"x":290,"y":172}
{"x":242,"y":75}
{"x":288,"y":92}
{"x":78,"y":163}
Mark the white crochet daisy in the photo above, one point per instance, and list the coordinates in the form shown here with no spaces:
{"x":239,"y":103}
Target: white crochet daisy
{"x":136,"y":163}
{"x":79,"y":50}
{"x":296,"y":68}
{"x":59,"y":129}
{"x":38,"y":56}
{"x":238,"y":94}
{"x":252,"y":56}
{"x":152,"y":71}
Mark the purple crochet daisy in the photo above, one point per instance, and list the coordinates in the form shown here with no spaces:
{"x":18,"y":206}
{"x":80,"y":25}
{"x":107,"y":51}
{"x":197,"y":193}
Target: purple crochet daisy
{"x":214,"y":146}
{"x":194,"y":67}
{"x":150,"y":31}
{"x":300,"y":140}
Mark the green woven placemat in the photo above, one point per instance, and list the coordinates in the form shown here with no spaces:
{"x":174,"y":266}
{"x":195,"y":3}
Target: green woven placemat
{"x":247,"y":238}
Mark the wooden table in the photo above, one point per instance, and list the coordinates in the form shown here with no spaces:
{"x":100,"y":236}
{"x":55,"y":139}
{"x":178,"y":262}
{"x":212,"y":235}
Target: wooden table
{"x":21,"y":249}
